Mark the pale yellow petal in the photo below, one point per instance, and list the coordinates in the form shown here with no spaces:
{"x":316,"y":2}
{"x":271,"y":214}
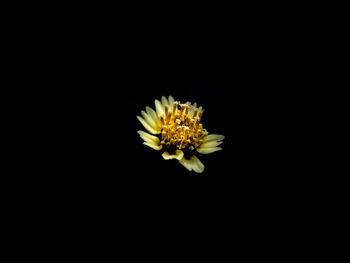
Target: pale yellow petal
{"x":147,"y":126}
{"x":213,"y":137}
{"x":197,"y":164}
{"x":210,"y":144}
{"x":159,"y":108}
{"x":171,"y":101}
{"x":165,"y":101}
{"x":185,"y":163}
{"x":178,"y":155}
{"x":154,"y":116}
{"x":193,"y":164}
{"x":149,"y":120}
{"x":155,"y":147}
{"x":208,"y":150}
{"x":149,"y":138}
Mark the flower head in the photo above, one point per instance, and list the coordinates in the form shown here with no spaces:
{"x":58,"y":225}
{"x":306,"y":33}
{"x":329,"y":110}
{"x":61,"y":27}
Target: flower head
{"x":177,"y":129}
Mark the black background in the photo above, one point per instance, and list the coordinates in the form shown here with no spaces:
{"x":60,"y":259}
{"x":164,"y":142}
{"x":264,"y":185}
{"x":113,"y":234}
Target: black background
{"x":101,"y":73}
{"x":103,"y":153}
{"x":88,"y":72}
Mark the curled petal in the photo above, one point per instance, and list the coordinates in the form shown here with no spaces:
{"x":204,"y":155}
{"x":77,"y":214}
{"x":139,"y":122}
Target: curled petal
{"x":178,"y":155}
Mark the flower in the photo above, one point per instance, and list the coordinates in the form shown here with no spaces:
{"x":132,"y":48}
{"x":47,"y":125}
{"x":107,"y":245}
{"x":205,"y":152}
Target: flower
{"x":177,"y":129}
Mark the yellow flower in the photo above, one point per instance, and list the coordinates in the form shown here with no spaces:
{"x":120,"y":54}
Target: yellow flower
{"x":177,"y":129}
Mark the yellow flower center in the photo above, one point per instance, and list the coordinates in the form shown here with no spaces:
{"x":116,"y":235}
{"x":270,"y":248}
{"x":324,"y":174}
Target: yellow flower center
{"x":181,"y":126}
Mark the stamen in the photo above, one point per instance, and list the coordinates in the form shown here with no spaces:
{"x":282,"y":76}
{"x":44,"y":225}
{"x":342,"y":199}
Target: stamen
{"x":186,"y":111}
{"x":181,"y":129}
{"x":168,"y":118}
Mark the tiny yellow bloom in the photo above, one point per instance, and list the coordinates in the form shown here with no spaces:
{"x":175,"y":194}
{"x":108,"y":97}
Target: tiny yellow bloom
{"x":177,"y":128}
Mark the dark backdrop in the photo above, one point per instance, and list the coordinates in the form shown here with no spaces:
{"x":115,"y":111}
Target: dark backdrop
{"x":104,"y":76}
{"x":91,"y":73}
{"x":105,"y":154}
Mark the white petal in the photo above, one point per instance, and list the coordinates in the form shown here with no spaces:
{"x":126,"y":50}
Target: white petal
{"x":154,"y":116}
{"x":171,"y":102}
{"x":213,"y":137}
{"x":210,"y":144}
{"x":149,"y":138}
{"x":165,"y":101}
{"x":147,"y":127}
{"x":178,"y":155}
{"x":155,"y":147}
{"x":149,"y":120}
{"x":159,"y":108}
{"x":197,"y":164}
{"x":185,"y":163}
{"x":193,"y":164}
{"x":208,"y":150}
